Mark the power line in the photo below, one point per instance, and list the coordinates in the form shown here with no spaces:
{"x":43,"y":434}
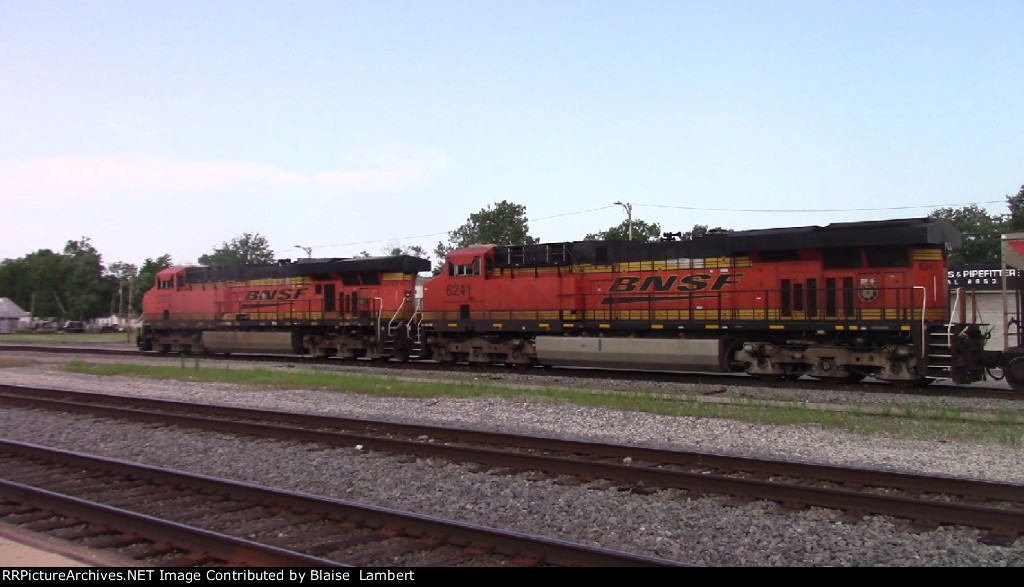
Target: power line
{"x":817,"y":210}
{"x":692,"y":208}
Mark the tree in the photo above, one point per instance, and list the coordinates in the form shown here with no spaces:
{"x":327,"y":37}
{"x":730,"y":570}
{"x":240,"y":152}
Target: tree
{"x":248,"y":249}
{"x":69,"y":285}
{"x":700,"y":230}
{"x":1015,"y":220}
{"x":82,"y":293}
{"x":411,"y":250}
{"x":981,"y":234}
{"x":395,"y":250}
{"x":504,"y":224}
{"x":147,"y":278}
{"x":16,"y":276}
{"x":642,"y":232}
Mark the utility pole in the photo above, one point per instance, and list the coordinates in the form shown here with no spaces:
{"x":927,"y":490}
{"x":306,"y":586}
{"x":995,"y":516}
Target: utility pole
{"x":629,"y":216}
{"x":120,"y":299}
{"x":131,"y":292}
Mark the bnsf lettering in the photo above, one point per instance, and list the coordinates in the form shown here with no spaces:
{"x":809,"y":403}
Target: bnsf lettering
{"x":274,"y":294}
{"x":690,"y":282}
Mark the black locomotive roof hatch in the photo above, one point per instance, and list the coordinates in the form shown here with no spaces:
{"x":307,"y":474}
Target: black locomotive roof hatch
{"x":901,"y":232}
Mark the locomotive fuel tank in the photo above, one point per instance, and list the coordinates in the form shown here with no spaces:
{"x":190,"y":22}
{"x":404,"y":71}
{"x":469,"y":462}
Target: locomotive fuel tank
{"x":668,"y":354}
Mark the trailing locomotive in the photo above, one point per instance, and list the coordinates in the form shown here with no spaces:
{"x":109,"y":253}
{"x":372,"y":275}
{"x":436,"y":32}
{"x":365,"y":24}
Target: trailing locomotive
{"x":839,"y":303}
{"x":345,"y":307}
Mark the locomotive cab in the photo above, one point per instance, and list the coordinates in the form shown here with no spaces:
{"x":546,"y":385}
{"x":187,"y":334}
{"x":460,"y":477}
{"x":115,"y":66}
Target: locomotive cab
{"x":465,"y":270}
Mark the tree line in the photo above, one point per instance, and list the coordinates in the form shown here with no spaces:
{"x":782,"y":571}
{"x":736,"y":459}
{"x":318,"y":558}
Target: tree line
{"x":76,"y":285}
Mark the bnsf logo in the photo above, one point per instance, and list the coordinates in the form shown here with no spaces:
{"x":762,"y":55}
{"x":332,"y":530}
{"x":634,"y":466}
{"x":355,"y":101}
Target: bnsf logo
{"x":685,"y":283}
{"x":287,"y":293}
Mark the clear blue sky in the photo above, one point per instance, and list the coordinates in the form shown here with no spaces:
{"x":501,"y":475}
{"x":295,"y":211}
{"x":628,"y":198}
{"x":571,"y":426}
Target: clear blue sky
{"x":175,"y":126}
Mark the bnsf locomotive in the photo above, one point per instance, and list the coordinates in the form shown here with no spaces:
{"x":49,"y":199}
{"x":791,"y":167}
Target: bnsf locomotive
{"x":838,"y":303}
{"x":345,"y":307}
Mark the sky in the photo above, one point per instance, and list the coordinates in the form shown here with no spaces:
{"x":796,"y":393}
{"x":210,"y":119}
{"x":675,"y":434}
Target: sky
{"x":344,"y":127}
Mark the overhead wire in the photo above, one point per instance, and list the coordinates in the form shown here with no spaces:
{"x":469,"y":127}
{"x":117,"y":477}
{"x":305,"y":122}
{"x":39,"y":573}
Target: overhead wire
{"x":694,"y":208}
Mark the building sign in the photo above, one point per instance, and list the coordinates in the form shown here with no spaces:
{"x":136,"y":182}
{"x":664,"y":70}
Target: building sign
{"x":983,"y":277}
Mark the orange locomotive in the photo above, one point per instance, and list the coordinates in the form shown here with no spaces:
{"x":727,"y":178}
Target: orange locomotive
{"x":838,"y":302}
{"x":347,"y":307}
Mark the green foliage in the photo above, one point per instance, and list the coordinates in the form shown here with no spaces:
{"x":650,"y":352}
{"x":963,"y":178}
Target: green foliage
{"x":395,"y":250}
{"x":504,"y":224}
{"x":248,"y":249}
{"x":642,"y":232}
{"x":85,"y":292}
{"x":69,"y":286}
{"x":1015,"y":221}
{"x":413,"y":250}
{"x":981,"y":234}
{"x":146,"y":279}
{"x":645,"y":233}
{"x":700,"y":230}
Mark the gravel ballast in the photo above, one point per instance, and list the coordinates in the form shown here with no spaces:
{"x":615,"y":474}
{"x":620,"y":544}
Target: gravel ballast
{"x":666,"y":524}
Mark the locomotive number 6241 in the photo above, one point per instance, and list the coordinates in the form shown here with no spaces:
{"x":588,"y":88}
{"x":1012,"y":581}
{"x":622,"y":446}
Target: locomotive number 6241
{"x":456,"y":290}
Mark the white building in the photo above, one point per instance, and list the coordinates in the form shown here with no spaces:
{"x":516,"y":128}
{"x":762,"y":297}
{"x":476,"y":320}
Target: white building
{"x":9,"y":315}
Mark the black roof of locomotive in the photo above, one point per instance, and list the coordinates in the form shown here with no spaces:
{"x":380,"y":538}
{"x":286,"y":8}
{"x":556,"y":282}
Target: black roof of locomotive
{"x":903,"y":232}
{"x":308,"y":267}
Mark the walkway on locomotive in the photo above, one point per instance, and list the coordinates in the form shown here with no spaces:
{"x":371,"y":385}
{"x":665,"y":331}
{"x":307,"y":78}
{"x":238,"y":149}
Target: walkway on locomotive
{"x":842,"y":277}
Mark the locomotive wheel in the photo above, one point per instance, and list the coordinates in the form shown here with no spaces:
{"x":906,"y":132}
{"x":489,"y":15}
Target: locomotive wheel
{"x":1014,"y":373}
{"x":794,"y":372}
{"x":854,"y":378}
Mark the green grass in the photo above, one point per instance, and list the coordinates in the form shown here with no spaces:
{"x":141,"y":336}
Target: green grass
{"x":70,"y":338}
{"x":939,"y":423}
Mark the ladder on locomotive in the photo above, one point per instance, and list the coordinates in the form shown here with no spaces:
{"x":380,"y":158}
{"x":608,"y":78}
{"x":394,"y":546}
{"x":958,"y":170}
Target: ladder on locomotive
{"x":939,"y":341}
{"x":409,"y":328}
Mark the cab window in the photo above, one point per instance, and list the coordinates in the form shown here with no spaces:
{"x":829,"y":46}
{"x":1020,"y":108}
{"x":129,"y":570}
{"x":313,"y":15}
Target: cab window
{"x":462,"y":269}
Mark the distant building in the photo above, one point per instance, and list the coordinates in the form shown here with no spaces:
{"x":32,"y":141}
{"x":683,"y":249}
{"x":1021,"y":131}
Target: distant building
{"x":982,"y":277}
{"x":10,"y":313}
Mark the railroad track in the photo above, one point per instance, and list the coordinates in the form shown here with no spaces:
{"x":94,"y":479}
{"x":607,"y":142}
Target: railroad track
{"x":995,"y":389}
{"x":173,"y":518}
{"x":925,"y":500}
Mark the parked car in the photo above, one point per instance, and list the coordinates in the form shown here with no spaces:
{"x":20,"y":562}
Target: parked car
{"x":74,"y":326}
{"x":111,"y":328}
